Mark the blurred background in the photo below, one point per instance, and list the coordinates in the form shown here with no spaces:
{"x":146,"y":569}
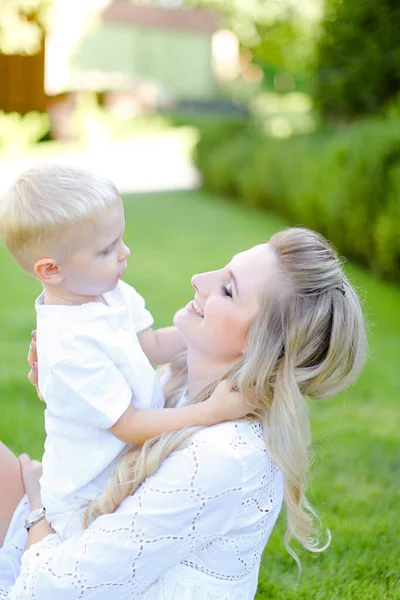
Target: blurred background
{"x":222,"y":121}
{"x":289,"y":105}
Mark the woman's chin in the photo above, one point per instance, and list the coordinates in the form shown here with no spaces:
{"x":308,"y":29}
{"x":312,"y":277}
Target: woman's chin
{"x":179,"y":317}
{"x":182,"y":321}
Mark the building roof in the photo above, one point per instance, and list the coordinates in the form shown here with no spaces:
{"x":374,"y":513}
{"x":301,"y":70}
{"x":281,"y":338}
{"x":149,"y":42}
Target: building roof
{"x":164,"y":18}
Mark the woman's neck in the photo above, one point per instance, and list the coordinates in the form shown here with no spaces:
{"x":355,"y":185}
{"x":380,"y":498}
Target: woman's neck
{"x":203,"y":369}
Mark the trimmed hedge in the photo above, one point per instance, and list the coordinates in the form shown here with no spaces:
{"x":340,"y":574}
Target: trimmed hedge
{"x":345,"y":184}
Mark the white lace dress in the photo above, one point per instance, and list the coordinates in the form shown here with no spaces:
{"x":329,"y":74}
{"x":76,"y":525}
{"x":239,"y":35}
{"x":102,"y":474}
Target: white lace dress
{"x":195,"y":530}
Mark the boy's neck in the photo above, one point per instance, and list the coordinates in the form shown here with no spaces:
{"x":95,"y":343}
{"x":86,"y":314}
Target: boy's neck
{"x":64,"y":297}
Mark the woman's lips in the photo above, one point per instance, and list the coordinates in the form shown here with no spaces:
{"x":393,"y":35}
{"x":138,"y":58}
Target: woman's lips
{"x":191,"y":307}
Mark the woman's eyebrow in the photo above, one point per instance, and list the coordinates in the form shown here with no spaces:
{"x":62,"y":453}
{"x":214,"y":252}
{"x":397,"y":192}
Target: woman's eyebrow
{"x":234,"y":280}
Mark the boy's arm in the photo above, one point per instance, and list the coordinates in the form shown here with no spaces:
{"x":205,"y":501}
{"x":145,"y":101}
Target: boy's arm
{"x":161,"y":345}
{"x":137,"y":426}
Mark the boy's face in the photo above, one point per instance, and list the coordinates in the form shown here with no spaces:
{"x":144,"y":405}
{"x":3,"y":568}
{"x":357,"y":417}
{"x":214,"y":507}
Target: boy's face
{"x":97,"y":256}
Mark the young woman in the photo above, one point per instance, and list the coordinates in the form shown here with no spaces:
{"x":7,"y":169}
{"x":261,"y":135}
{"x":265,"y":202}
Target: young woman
{"x":188,"y":514}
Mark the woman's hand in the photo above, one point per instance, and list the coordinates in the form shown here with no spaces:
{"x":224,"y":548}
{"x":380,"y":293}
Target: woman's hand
{"x":32,"y":361}
{"x":31,"y":473}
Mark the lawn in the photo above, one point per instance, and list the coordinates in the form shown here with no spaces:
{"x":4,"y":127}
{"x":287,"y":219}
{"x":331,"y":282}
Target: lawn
{"x":356,"y":482}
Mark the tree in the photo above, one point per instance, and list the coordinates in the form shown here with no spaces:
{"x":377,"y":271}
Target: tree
{"x":358,"y":57}
{"x":22,"y":23}
{"x":279,"y":33}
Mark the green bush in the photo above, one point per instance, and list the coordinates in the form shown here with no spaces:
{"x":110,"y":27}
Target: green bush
{"x":18,"y":132}
{"x":357,"y":68}
{"x":345,"y":184}
{"x":216,"y":133}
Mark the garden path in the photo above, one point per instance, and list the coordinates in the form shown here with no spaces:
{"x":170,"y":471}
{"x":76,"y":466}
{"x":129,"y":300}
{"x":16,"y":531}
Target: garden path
{"x":146,"y":163}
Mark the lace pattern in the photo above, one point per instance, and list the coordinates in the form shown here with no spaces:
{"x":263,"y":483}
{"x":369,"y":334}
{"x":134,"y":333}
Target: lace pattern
{"x":195,"y":530}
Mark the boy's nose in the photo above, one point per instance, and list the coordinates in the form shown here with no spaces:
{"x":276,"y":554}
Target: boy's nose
{"x":124,"y":253}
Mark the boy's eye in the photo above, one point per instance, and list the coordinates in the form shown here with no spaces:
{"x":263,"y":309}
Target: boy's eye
{"x":108,"y":251}
{"x":226,"y":290}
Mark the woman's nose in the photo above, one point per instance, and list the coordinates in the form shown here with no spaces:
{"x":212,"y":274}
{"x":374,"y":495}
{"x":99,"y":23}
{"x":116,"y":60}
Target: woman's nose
{"x":200,"y":283}
{"x":194,"y":282}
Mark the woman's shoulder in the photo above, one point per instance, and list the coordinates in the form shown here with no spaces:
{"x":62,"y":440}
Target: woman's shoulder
{"x":245,"y":432}
{"x":235,"y":451}
{"x":241,"y":441}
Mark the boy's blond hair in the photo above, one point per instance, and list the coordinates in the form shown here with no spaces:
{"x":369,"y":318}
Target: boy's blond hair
{"x":44,"y":204}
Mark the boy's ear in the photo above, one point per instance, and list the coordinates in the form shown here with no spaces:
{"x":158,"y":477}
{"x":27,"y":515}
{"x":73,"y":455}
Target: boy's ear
{"x":47,"y":270}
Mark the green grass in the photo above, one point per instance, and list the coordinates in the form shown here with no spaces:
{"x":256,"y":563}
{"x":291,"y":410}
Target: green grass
{"x":355,"y":484}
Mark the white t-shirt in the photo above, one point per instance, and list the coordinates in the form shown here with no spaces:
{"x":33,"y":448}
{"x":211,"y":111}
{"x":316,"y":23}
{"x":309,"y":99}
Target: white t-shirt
{"x":91,"y":367}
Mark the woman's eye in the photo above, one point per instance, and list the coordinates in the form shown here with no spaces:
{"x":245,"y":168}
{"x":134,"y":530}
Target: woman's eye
{"x":226,"y":290}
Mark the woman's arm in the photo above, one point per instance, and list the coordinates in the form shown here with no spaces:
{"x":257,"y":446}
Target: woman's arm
{"x":192,"y":498}
{"x":31,"y":474}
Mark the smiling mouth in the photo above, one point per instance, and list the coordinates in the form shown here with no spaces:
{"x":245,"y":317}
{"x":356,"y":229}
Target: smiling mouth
{"x":197,"y":308}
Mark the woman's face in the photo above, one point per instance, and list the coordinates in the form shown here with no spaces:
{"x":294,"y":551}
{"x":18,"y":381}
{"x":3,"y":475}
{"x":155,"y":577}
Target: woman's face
{"x":226,"y":302}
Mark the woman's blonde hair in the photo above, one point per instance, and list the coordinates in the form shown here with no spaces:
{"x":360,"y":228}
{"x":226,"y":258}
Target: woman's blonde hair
{"x":45,"y":202}
{"x":308,"y":339}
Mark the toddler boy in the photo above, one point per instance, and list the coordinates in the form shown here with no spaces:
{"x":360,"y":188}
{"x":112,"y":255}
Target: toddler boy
{"x":95,"y":345}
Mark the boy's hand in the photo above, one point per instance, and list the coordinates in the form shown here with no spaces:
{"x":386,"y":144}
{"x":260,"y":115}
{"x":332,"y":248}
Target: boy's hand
{"x":32,"y":361}
{"x":225,"y":404}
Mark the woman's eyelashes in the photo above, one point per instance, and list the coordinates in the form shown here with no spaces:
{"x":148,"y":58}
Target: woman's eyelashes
{"x":226,"y":290}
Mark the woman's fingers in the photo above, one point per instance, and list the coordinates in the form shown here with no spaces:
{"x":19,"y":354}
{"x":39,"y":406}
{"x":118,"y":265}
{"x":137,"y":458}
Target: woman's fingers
{"x":32,"y":361}
{"x":24,"y":459}
{"x":33,"y":374}
{"x":32,"y":353}
{"x":33,"y":379}
{"x":29,"y":464}
{"x":31,"y":473}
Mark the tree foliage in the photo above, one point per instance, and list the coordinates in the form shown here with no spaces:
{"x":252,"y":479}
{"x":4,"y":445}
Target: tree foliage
{"x":22,"y":23}
{"x":358,"y":57}
{"x":279,"y":33}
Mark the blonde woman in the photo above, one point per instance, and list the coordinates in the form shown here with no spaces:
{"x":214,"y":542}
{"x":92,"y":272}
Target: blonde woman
{"x":188,"y":514}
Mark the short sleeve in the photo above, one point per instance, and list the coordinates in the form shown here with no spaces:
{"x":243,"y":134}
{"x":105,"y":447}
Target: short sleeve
{"x":91,"y":391}
{"x":141,"y":318}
